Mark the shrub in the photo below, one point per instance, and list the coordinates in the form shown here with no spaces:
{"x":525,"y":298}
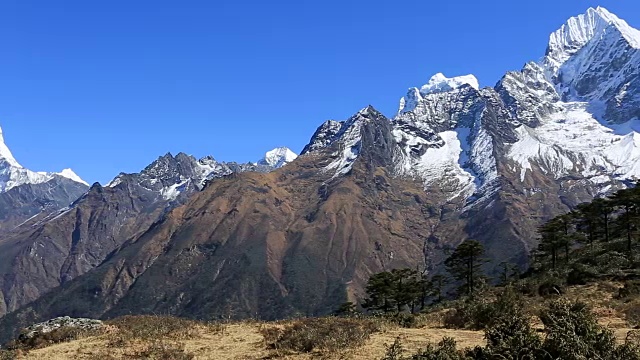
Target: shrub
{"x":152,"y":327}
{"x":470,"y":313}
{"x":581,"y":274}
{"x":323,"y":334}
{"x":7,"y":355}
{"x":346,"y":309}
{"x":510,"y":335}
{"x":40,"y":340}
{"x":551,"y":286}
{"x":446,"y":349}
{"x":572,"y":332}
{"x":630,"y":288}
{"x":631,"y":311}
{"x":394,"y":351}
{"x":527,"y":286}
{"x":406,"y":320}
{"x":630,"y":350}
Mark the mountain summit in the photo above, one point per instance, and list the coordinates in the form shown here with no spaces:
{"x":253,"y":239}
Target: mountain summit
{"x":278,"y":157}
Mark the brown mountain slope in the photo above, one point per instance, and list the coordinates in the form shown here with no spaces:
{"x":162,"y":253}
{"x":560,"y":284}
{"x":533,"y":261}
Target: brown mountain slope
{"x":265,"y":245}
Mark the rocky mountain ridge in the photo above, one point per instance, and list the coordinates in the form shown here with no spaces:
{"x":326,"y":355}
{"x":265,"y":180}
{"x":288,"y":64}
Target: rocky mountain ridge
{"x":50,"y":248}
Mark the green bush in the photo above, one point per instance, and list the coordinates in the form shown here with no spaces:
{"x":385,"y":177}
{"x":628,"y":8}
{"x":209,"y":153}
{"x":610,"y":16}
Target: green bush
{"x":479,"y":313}
{"x":469,"y":313}
{"x":572,"y":332}
{"x":511,"y":336}
{"x":394,"y":351}
{"x":581,"y":274}
{"x":405,"y":320}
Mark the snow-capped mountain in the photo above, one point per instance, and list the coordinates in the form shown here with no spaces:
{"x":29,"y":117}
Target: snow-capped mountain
{"x":278,"y":157}
{"x":573,"y":114}
{"x":585,"y":97}
{"x":25,"y":193}
{"x":559,"y":132}
{"x":12,"y":174}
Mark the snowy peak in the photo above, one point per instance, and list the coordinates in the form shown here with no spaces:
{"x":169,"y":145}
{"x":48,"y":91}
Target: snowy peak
{"x":594,"y":58}
{"x":71,"y":175}
{"x":581,"y":29}
{"x":12,"y":174}
{"x":5,"y":153}
{"x":440,"y":83}
{"x":278,"y":157}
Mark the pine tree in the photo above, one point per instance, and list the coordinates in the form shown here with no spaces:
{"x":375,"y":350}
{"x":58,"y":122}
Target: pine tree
{"x":407,"y":288}
{"x":393,"y":290}
{"x":604,"y":209}
{"x":436,"y":286}
{"x":465,"y":264}
{"x":380,"y":293}
{"x":551,"y":241}
{"x":587,"y":220}
{"x":628,"y":200}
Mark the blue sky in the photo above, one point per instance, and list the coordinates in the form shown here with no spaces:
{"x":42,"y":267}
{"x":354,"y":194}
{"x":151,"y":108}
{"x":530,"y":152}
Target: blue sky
{"x":108,"y":86}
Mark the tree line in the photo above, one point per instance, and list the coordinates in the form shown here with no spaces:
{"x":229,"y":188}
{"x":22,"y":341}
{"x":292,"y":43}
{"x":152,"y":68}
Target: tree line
{"x":408,"y":289}
{"x":605,"y":224}
{"x":603,"y":232}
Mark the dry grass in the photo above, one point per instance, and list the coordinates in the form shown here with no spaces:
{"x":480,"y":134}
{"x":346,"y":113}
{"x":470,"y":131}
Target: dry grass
{"x":242,"y":340}
{"x":359,"y":339}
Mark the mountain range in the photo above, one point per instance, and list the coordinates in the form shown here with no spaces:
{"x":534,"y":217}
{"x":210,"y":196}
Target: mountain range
{"x":300,"y":235}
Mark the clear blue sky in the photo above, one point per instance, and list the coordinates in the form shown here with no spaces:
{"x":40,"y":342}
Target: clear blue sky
{"x":107,"y":86}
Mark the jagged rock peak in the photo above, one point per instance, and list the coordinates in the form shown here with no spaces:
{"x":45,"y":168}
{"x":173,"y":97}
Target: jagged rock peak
{"x":579,"y":30}
{"x":278,"y":157}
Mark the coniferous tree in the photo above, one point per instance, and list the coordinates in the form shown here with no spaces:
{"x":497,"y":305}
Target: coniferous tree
{"x":380,"y":293}
{"x":508,"y":272}
{"x":393,"y":290}
{"x":628,"y":200}
{"x":436,"y":286}
{"x":587,"y":221}
{"x":465,"y":264}
{"x":604,"y":209}
{"x":551,"y":240}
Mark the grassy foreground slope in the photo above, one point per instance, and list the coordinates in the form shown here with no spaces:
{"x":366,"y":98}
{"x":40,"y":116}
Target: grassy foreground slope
{"x":157,"y":337}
